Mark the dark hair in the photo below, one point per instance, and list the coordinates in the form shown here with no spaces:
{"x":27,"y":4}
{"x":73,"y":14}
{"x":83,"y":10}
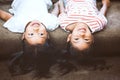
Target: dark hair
{"x":75,"y":52}
{"x":30,"y":58}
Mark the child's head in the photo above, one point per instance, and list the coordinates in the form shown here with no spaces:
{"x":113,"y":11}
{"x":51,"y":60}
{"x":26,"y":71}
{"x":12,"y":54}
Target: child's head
{"x":35,"y":33}
{"x":81,"y":37}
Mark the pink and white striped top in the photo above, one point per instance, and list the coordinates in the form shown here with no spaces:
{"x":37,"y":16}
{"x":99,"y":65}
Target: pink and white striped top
{"x":82,"y":11}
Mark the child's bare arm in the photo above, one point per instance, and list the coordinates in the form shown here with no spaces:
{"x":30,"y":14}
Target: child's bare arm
{"x":106,"y":4}
{"x":58,"y":8}
{"x":62,"y":6}
{"x":55,"y":10}
{"x":5,"y":15}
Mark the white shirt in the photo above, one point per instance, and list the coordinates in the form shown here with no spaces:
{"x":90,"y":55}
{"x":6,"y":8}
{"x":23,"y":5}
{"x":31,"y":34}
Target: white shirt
{"x":27,"y":10}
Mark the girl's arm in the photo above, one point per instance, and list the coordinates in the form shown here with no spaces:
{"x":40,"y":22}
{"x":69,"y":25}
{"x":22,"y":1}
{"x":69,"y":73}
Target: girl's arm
{"x":58,"y":8}
{"x":61,"y":6}
{"x":106,"y":4}
{"x":5,"y":15}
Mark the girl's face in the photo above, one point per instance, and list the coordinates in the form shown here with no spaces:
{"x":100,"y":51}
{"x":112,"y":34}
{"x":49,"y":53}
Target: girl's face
{"x":35,"y":33}
{"x":81,"y":37}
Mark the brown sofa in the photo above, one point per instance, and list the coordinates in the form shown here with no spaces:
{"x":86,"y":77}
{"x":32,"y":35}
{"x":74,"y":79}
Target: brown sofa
{"x":107,"y":42}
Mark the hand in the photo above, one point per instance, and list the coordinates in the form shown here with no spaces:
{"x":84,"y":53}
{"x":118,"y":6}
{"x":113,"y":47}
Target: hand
{"x":106,"y":3}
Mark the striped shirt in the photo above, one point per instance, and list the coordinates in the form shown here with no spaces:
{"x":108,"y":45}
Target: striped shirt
{"x":82,"y":11}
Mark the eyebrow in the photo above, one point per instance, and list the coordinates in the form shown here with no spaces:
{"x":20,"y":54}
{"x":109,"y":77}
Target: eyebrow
{"x":41,"y":37}
{"x":30,"y":38}
{"x":88,"y":42}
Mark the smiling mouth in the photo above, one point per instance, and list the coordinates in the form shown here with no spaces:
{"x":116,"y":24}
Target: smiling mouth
{"x":35,"y":24}
{"x":82,"y":29}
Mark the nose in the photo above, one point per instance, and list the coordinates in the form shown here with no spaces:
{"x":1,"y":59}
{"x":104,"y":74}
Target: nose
{"x":36,"y":29}
{"x":82,"y":34}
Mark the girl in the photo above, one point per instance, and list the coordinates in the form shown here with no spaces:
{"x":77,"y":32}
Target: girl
{"x":81,"y":19}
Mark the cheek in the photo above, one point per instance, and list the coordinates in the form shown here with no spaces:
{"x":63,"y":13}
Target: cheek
{"x":29,"y":41}
{"x":41,"y":41}
{"x":75,"y":33}
{"x":28,"y":29}
{"x":42,"y":29}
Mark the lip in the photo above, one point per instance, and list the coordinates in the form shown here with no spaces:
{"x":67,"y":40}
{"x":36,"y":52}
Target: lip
{"x":35,"y":24}
{"x":82,"y":29}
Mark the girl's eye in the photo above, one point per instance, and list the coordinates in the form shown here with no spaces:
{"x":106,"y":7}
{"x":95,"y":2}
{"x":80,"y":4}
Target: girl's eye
{"x":76,"y":38}
{"x":41,"y":34}
{"x":30,"y":34}
{"x":86,"y":39}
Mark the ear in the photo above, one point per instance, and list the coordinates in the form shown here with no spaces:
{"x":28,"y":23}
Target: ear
{"x":23,"y":36}
{"x":69,"y":37}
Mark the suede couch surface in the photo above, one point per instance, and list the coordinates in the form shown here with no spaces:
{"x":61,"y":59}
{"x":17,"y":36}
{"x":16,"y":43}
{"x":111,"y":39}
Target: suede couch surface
{"x":107,"y":42}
